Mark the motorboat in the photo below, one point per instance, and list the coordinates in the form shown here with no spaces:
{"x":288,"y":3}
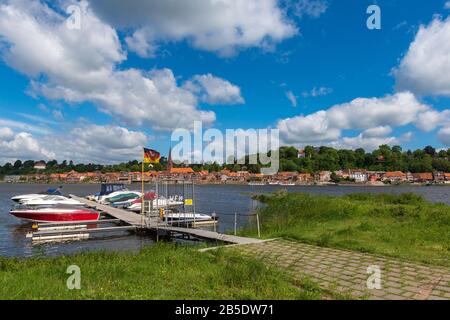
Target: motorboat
{"x":186,"y":217}
{"x":50,"y":200}
{"x":55,"y":214}
{"x":256,"y":183}
{"x":24,"y":197}
{"x":160,"y":202}
{"x":106,"y":190}
{"x":121,"y":197}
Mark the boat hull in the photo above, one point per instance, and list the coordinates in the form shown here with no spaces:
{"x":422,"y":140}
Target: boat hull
{"x":56,"y":216}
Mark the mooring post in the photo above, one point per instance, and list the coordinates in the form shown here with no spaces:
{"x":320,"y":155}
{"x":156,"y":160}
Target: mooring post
{"x":214,"y":217}
{"x":257,"y":222}
{"x":235,"y":223}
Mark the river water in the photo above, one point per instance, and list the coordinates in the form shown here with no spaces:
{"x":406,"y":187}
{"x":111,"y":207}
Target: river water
{"x":224,"y":200}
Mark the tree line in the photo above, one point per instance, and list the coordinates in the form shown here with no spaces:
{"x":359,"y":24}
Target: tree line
{"x":310,"y":160}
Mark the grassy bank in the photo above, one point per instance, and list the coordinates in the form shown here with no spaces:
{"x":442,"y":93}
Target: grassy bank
{"x":404,"y":226}
{"x":165,"y":271}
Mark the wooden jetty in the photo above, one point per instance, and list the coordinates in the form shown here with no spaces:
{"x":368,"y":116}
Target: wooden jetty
{"x":156,"y":224}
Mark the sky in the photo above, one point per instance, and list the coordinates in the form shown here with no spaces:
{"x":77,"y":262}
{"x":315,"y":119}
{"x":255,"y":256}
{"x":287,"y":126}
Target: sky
{"x":95,"y":81}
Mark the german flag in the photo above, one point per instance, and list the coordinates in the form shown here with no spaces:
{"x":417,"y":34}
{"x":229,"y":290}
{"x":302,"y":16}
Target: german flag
{"x":151,"y":156}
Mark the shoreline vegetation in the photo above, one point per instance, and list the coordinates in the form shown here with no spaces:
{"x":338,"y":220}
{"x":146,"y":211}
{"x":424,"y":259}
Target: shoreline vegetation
{"x":403,"y":226}
{"x":311,"y":165}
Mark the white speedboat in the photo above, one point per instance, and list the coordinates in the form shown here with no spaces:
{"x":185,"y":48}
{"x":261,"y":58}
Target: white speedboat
{"x":286,"y":184}
{"x":50,"y":201}
{"x":25,"y":197}
{"x":156,"y":204}
{"x":187,"y":217}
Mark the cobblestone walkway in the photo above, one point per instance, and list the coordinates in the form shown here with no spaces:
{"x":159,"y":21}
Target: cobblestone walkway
{"x":346,"y":271}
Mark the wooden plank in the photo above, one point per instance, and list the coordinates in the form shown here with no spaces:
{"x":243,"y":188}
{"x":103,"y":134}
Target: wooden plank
{"x":212,"y":235}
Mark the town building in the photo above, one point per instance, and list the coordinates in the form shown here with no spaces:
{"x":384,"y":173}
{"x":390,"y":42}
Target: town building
{"x":395,"y":176}
{"x":423,"y":177}
{"x":40,"y":165}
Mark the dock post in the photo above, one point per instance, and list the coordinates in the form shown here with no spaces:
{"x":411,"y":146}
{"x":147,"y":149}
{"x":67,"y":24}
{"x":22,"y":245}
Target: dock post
{"x":257,"y":222}
{"x":235,"y":223}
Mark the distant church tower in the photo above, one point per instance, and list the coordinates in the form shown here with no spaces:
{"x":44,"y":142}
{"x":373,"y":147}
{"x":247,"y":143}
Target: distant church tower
{"x":169,"y":161}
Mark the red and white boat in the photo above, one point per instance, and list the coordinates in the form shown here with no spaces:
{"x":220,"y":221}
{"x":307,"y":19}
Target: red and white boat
{"x":55,"y":214}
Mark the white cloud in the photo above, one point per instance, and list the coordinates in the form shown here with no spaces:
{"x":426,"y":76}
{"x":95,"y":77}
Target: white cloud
{"x":444,"y":136}
{"x":317,"y":92}
{"x":429,"y":120}
{"x":313,"y":8}
{"x":425,"y":69}
{"x":310,"y":128}
{"x":58,"y":115}
{"x":214,"y":90}
{"x":84,"y":143}
{"x":222,"y":26}
{"x":367,"y":143}
{"x":376,"y":132}
{"x":99,"y":144}
{"x":6,"y":134}
{"x":292,"y":98}
{"x":360,"y":114}
{"x":23,"y":126}
{"x":37,"y":42}
{"x":21,"y":146}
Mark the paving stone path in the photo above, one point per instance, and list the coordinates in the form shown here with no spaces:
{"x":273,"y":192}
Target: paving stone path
{"x":346,"y":271}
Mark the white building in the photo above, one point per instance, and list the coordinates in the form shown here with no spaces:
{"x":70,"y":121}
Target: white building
{"x":40,"y":165}
{"x":358,"y":175}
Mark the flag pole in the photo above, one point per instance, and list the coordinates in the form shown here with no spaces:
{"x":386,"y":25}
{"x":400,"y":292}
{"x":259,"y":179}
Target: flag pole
{"x":143,"y":194}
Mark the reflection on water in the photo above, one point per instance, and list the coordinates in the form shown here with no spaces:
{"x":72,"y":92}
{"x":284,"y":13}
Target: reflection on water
{"x":224,"y":200}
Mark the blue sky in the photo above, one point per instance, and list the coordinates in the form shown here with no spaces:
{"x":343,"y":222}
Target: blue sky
{"x":317,"y":52}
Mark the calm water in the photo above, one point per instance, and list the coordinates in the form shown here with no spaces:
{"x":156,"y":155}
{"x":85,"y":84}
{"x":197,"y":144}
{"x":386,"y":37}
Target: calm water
{"x":224,"y":200}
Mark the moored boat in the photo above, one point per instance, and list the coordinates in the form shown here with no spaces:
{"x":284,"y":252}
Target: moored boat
{"x":50,"y":200}
{"x":161,"y":202}
{"x":198,"y":217}
{"x":55,"y":214}
{"x":26,"y":197}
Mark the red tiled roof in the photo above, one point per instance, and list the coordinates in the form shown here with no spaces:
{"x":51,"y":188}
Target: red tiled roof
{"x":423,"y":176}
{"x":181,"y":170}
{"x":394,"y":174}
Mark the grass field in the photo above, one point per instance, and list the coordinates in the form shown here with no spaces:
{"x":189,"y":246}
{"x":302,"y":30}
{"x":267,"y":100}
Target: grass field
{"x":164,"y":271}
{"x":403,"y":226}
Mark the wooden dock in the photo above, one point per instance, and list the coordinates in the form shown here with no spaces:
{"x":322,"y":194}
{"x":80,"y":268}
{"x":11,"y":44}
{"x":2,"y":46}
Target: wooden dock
{"x":156,"y":224}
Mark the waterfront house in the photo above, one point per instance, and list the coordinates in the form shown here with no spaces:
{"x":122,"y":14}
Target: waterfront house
{"x":305,"y":178}
{"x":12,"y":178}
{"x":322,"y":176}
{"x":447,"y":177}
{"x":423,"y":177}
{"x":358,"y":175}
{"x":301,"y":154}
{"x":438,"y":177}
{"x":395,"y":176}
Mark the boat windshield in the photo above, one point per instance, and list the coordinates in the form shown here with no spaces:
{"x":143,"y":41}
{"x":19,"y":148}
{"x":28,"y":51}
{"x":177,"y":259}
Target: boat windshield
{"x":110,"y":188}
